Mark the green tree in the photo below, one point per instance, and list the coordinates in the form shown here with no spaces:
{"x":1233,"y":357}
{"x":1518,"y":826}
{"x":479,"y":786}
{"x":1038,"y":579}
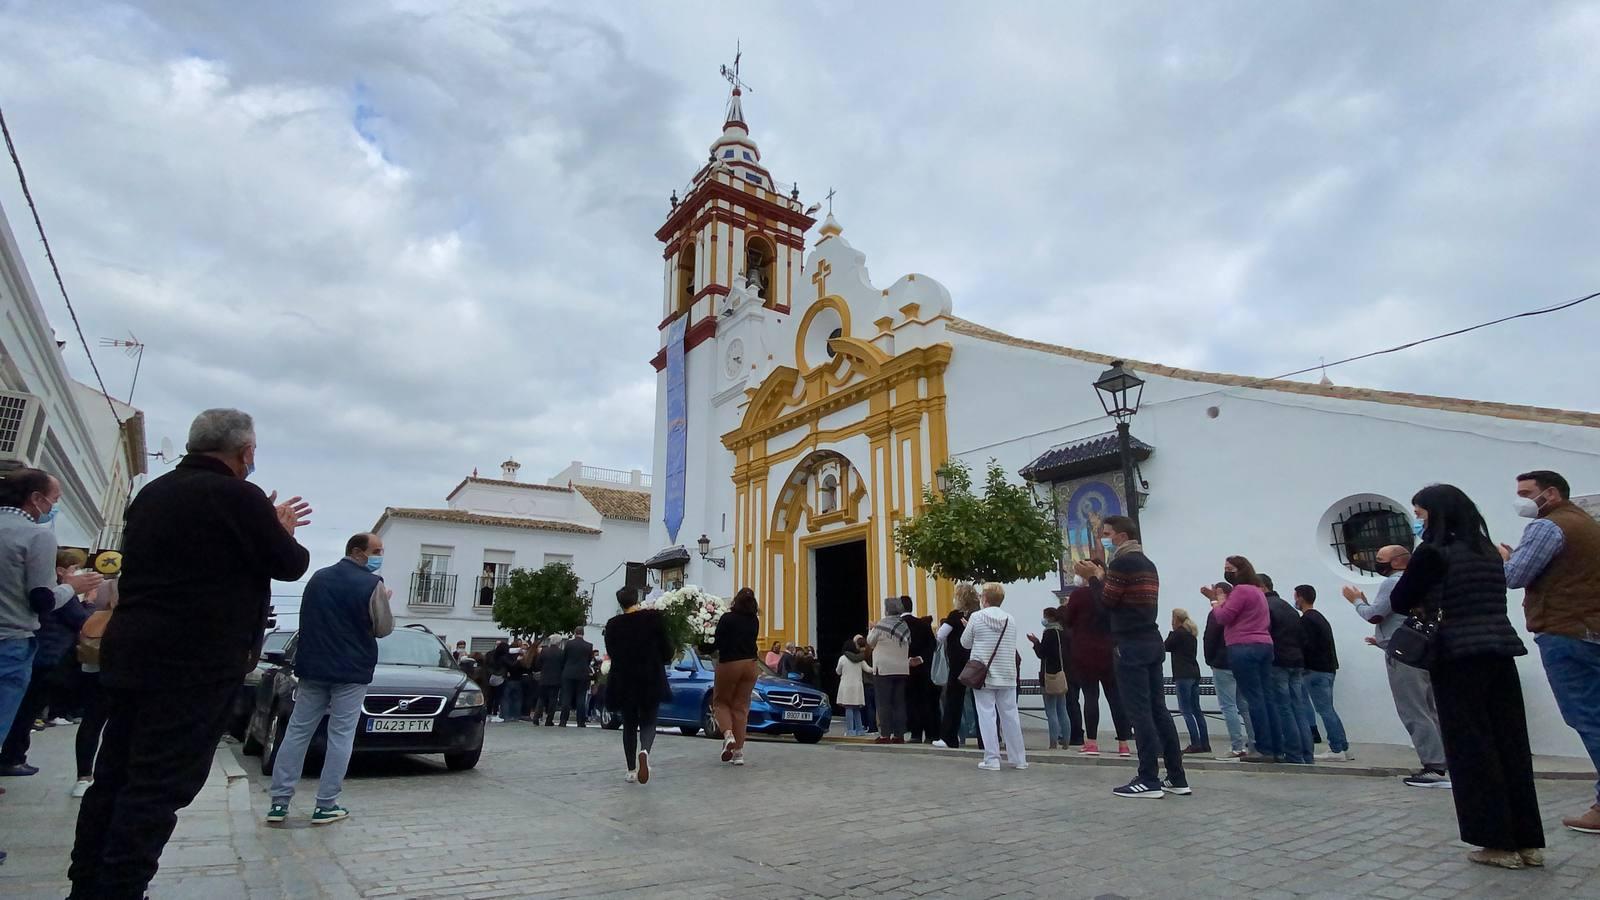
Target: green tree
{"x":1004,"y":535}
{"x":540,"y":602}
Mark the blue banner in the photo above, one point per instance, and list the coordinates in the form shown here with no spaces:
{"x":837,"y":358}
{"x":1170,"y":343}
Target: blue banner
{"x":677,"y":428}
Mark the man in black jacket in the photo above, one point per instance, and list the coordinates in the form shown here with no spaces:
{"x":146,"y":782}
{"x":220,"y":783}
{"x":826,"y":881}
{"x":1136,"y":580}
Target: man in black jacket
{"x":552,"y":660}
{"x":201,"y":551}
{"x":922,"y":696}
{"x":575,"y":669}
{"x":1322,"y":662}
{"x":1288,"y":678}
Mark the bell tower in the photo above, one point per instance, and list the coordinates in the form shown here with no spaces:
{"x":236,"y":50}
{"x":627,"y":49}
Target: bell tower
{"x":734,"y":250}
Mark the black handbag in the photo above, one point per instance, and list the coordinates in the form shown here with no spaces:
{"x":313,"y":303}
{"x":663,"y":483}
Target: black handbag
{"x":1416,"y":642}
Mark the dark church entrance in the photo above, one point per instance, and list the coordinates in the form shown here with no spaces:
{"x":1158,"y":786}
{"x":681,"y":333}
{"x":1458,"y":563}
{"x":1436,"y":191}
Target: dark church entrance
{"x":841,"y":605}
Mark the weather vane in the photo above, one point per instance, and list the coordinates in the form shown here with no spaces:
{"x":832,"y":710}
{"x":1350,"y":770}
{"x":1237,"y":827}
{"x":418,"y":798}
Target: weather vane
{"x":732,"y":75}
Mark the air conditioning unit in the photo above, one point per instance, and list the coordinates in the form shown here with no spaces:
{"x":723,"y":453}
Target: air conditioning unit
{"x":21,"y":427}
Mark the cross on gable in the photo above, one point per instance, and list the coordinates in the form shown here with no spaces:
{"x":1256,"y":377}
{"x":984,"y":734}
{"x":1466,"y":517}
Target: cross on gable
{"x":820,"y":278}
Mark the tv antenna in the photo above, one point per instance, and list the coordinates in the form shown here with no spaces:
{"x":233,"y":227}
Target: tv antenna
{"x":732,"y":75}
{"x":133,"y":348}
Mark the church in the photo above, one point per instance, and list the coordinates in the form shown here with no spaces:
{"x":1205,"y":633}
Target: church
{"x":803,"y":407}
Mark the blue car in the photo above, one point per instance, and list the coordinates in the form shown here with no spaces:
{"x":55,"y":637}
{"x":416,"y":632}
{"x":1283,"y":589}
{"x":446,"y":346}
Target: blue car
{"x":777,"y":706}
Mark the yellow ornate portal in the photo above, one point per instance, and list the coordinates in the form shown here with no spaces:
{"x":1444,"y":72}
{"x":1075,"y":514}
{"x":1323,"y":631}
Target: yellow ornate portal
{"x":832,"y":450}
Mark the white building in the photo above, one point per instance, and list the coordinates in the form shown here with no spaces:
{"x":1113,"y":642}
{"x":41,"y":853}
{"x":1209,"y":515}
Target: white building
{"x":444,"y":564}
{"x":51,"y":422}
{"x":801,"y":413}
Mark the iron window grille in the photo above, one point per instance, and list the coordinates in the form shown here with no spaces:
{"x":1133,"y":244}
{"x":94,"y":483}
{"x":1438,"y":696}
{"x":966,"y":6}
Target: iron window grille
{"x":1365,"y":528}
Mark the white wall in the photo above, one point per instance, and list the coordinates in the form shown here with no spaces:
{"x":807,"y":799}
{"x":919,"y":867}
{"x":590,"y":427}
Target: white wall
{"x":1257,"y":480}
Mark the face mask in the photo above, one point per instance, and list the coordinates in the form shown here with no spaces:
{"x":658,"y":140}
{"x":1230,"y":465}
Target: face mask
{"x":374,"y":563}
{"x":1230,"y":577}
{"x":1416,"y":528}
{"x":1109,"y":547}
{"x":1044,"y":623}
{"x":45,"y":518}
{"x":1526,"y":507}
{"x":1385,"y":569}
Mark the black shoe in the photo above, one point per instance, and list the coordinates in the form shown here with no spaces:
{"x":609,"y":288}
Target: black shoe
{"x":19,"y":769}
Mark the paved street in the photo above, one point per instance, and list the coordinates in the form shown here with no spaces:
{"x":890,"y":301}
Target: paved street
{"x":547,"y":815}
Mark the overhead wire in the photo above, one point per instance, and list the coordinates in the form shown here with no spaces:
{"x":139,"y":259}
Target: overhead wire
{"x":27,"y":195}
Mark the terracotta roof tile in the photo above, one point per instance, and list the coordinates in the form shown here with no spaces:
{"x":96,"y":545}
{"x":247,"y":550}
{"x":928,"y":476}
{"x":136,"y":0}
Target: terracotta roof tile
{"x":462,"y":517}
{"x":1337,"y":392}
{"x":496,"y":482}
{"x":616,"y":503}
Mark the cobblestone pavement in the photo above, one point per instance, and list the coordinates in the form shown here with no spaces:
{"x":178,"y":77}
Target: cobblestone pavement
{"x":547,"y":814}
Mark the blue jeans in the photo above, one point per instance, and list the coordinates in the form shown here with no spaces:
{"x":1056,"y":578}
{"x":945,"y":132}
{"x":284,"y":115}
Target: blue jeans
{"x":1573,"y":668}
{"x":1292,"y":714}
{"x":1189,"y":708}
{"x":1319,"y":685}
{"x":852,"y":721}
{"x":1241,"y":732}
{"x":1055,"y":716}
{"x":341,"y":703}
{"x":16,"y":670}
{"x":1252,"y":667}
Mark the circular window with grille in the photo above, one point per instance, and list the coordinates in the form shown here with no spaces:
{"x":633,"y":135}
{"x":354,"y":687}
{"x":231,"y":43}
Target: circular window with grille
{"x":1359,"y":526}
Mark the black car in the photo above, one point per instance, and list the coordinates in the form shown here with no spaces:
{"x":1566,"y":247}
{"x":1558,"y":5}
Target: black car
{"x":419,"y":702}
{"x":244,"y":705}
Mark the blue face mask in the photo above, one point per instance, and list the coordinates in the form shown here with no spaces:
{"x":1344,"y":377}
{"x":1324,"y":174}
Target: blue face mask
{"x":1416,"y":528}
{"x":1110,"y":548}
{"x":45,"y":518}
{"x":249,"y":469}
{"x":374,"y":563}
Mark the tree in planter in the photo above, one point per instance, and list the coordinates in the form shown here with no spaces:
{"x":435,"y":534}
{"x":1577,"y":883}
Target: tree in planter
{"x":542,"y":601}
{"x":1005,"y":535}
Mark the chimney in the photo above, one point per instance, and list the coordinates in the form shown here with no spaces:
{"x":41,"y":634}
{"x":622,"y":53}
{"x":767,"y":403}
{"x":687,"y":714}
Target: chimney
{"x":508,"y":470}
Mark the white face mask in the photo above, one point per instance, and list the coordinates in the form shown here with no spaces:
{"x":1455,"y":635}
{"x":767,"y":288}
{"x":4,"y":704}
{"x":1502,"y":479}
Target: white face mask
{"x":1527,"y":507}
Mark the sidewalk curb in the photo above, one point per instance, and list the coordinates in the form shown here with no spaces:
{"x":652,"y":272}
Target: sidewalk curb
{"x":1189,"y":762}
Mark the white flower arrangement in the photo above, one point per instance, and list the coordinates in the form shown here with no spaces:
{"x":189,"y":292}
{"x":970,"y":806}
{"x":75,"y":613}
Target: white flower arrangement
{"x":699,"y":609}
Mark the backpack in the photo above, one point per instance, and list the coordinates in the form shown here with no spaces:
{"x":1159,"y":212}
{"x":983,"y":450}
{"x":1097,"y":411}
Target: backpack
{"x":90,"y":635}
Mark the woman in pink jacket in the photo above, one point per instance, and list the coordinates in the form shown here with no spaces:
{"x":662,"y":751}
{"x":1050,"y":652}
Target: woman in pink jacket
{"x":1241,"y":607}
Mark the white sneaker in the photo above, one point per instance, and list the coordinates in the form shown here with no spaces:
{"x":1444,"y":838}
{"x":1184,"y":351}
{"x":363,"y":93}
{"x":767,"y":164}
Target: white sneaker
{"x":631,"y":778}
{"x":1020,"y":766}
{"x":643,"y":763}
{"x":81,"y":787}
{"x":1344,"y":755}
{"x":60,"y":721}
{"x":738,"y":758}
{"x":941,"y":745}
{"x":727,"y":749}
{"x":496,"y":719}
{"x":989,"y":766}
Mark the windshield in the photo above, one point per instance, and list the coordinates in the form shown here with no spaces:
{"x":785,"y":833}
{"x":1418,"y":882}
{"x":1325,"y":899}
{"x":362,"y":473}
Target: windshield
{"x":408,"y":647}
{"x":275,"y":641}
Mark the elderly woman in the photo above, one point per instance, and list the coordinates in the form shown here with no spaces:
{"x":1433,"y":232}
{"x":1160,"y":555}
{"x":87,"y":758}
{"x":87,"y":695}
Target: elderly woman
{"x":956,"y":655}
{"x":890,"y":641}
{"x":991,"y":637}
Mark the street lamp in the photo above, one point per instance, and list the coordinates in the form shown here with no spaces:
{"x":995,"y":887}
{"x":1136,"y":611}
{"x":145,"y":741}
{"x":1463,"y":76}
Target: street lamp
{"x":705,"y":553}
{"x":1120,"y":392}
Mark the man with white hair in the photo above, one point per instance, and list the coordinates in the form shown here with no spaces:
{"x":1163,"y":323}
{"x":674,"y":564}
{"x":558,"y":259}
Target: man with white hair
{"x":201,"y":550}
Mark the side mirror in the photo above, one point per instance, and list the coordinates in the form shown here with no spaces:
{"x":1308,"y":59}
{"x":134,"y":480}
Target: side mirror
{"x":684,"y":667}
{"x":276,"y":657}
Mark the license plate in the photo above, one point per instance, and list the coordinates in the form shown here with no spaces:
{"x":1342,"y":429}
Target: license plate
{"x":797,"y":717}
{"x":392,"y":725}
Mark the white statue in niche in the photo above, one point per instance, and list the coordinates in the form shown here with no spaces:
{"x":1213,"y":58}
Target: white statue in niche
{"x":828,"y":494}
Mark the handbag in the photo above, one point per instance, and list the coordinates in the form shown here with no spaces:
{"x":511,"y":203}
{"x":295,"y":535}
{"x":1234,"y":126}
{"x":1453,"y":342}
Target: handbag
{"x":1415,"y":643}
{"x":90,"y":635}
{"x":975,"y":673}
{"x":1055,"y":683}
{"x":940,"y":670}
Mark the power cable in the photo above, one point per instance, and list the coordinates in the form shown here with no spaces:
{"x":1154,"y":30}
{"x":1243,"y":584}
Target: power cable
{"x":22,"y":179}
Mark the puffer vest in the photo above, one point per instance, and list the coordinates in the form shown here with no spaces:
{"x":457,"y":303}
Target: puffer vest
{"x":1473,"y":599}
{"x":1565,"y":598}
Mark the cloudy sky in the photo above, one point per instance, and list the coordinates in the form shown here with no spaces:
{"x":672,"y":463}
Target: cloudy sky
{"x":415,"y":237}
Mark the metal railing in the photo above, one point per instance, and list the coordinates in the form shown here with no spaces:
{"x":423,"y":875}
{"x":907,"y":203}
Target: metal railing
{"x":429,"y":589}
{"x":612,"y":476}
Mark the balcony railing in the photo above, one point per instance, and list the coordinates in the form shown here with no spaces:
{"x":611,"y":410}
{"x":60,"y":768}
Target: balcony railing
{"x":431,"y":590}
{"x":483,"y":590}
{"x":613,"y":476}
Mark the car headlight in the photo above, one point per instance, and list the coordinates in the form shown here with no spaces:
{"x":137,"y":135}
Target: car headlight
{"x":469,"y":697}
{"x":755,"y":697}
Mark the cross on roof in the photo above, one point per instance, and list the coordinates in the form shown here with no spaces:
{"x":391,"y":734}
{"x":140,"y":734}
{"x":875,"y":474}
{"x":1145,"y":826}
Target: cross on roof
{"x":831,"y":192}
{"x":732,"y":75}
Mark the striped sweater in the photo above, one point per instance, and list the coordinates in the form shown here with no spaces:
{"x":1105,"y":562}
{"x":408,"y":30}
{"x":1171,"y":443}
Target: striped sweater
{"x":1130,"y":594}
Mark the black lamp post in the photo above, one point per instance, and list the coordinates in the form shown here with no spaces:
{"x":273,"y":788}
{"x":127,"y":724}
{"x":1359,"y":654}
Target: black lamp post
{"x":1120,"y":392}
{"x":705,"y":553}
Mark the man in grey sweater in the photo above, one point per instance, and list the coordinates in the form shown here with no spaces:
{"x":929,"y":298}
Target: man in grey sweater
{"x":1411,"y":688}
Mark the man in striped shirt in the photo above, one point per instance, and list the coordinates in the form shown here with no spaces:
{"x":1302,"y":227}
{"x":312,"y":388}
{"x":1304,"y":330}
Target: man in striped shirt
{"x":1128,"y":590}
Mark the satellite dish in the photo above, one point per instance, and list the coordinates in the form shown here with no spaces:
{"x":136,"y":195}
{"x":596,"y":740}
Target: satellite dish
{"x":166,"y":448}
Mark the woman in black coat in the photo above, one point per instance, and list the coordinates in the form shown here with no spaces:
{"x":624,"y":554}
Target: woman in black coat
{"x":640,"y":651}
{"x":1458,"y":576}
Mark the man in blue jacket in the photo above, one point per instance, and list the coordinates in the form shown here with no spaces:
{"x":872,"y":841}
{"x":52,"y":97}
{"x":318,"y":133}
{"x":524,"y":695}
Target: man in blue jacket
{"x":344,"y":611}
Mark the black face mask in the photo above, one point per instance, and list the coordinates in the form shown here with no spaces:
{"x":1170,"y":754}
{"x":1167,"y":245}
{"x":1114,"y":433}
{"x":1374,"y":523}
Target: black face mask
{"x":1230,"y":577}
{"x":1385,"y":569}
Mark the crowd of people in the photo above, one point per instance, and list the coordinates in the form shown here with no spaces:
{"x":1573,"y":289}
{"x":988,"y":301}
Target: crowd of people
{"x":156,"y":654}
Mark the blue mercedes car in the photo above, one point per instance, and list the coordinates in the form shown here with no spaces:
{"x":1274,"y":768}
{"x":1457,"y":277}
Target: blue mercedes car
{"x":777,"y":706}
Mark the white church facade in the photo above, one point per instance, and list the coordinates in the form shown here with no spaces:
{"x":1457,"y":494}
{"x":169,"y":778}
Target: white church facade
{"x":802,"y":409}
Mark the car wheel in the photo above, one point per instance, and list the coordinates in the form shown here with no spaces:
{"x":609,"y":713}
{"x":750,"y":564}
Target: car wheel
{"x":689,"y":730}
{"x":708,"y":724}
{"x":277,"y":727}
{"x":809,"y":736}
{"x":460,"y":762}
